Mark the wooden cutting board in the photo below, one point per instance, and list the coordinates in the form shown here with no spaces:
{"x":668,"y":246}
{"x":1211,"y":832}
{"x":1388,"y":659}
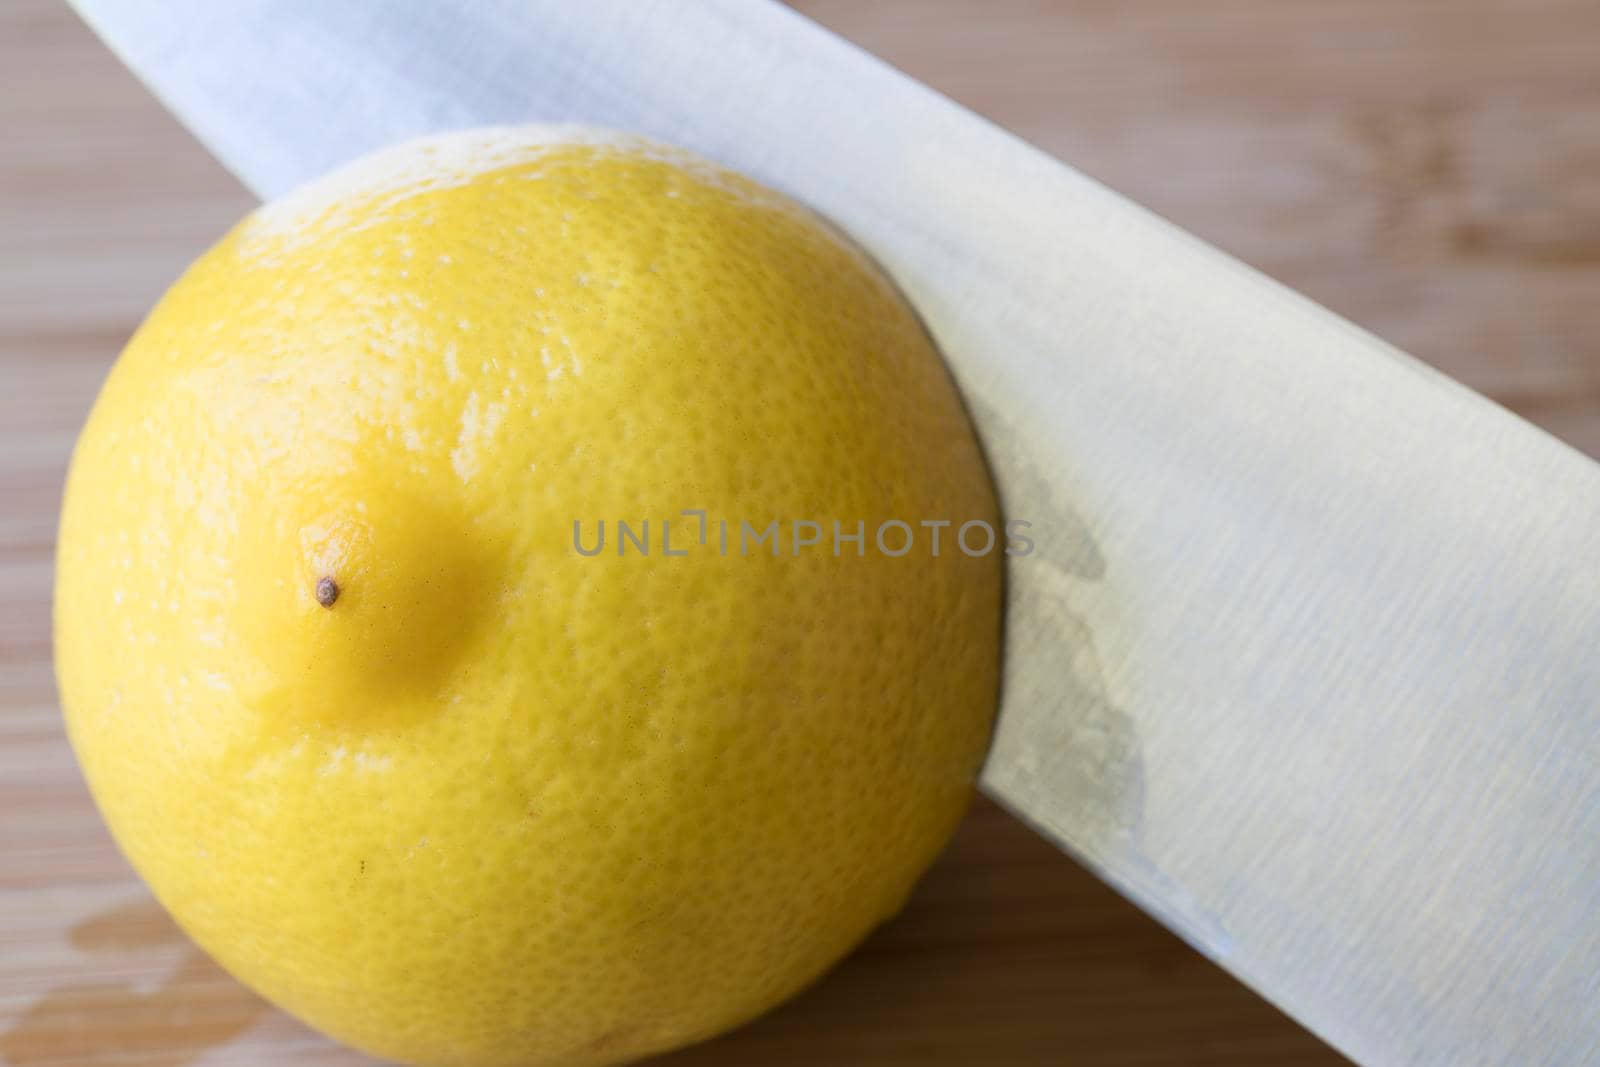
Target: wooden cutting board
{"x":1429,"y":168}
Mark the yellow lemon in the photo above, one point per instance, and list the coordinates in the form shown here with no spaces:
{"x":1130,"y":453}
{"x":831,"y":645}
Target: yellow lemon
{"x":497,"y":608}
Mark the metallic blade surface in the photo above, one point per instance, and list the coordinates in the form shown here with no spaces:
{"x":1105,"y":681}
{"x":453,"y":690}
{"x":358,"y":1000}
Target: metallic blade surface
{"x":1304,"y":661}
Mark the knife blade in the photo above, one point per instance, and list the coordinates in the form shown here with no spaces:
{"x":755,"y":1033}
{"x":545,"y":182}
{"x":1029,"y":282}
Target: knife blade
{"x":1303,"y":661}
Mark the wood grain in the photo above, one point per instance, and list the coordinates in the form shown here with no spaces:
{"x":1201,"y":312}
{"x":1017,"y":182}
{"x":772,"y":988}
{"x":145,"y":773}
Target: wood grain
{"x":1429,"y":168}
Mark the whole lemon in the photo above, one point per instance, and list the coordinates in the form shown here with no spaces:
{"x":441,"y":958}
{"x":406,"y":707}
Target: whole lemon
{"x":498,"y":609}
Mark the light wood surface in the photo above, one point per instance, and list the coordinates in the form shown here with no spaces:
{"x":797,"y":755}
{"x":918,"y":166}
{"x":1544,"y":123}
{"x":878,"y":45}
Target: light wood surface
{"x":1429,"y":168}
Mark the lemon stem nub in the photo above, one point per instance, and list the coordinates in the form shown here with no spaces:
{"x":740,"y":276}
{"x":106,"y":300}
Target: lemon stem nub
{"x":327,"y":592}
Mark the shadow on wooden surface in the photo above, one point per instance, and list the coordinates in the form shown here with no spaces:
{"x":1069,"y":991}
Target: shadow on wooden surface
{"x":197,"y":1006}
{"x":1006,"y":954}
